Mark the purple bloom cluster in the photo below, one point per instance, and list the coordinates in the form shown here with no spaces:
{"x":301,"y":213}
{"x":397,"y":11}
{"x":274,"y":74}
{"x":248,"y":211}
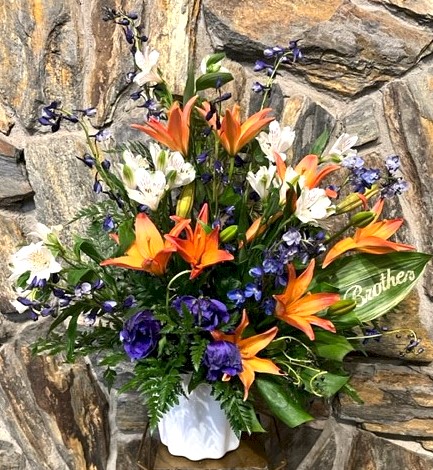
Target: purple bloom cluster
{"x":279,"y":55}
{"x":222,"y":357}
{"x":300,"y":244}
{"x":394,"y":185}
{"x":140,"y":335}
{"x":361,"y":178}
{"x":208,"y":313}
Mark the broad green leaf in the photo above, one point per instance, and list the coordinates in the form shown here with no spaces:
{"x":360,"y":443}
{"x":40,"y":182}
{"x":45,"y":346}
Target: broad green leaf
{"x":377,"y":283}
{"x":331,"y":346}
{"x":209,"y":80}
{"x":75,"y":275}
{"x":86,"y":246}
{"x":126,"y":235}
{"x":282,"y":401}
{"x":320,"y":143}
{"x":323,"y":384}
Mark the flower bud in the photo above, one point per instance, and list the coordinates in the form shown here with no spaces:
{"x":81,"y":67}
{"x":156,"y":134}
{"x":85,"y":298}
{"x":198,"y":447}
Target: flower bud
{"x":185,"y":201}
{"x":354,"y":200}
{"x":362,"y":219}
{"x":228,"y":233}
{"x":341,"y":307}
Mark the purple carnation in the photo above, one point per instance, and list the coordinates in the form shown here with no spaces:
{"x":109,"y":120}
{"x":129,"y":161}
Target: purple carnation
{"x":222,"y":357}
{"x":208,"y":313}
{"x":140,"y":334}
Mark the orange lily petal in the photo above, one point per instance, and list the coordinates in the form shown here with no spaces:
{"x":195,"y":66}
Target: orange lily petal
{"x":149,"y":240}
{"x":338,"y":249}
{"x":253,"y":125}
{"x":253,"y":365}
{"x":252,"y":345}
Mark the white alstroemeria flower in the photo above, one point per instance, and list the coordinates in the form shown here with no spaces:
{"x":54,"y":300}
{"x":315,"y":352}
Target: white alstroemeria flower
{"x":159,"y":156}
{"x":313,"y":205}
{"x":177,"y":172}
{"x":261,"y":181}
{"x":343,"y":145}
{"x":37,"y":259}
{"x":146,"y":62}
{"x":128,"y":170}
{"x":151,"y":186}
{"x":44,"y":233}
{"x":291,"y":178}
{"x":277,"y":140}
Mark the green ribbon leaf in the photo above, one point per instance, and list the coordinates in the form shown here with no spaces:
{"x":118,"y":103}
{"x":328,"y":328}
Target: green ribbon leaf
{"x":377,"y":283}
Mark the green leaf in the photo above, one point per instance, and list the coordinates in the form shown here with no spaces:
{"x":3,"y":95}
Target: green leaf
{"x":209,"y":80}
{"x":71,"y":335}
{"x":109,"y":377}
{"x":214,"y":59}
{"x":229,"y":197}
{"x":282,"y":401}
{"x":126,"y":235}
{"x":320,"y":143}
{"x":331,"y":346}
{"x":75,"y":275}
{"x":197,"y":351}
{"x":377,"y":283}
{"x":86,"y":246}
{"x":189,"y":91}
{"x":324,"y":384}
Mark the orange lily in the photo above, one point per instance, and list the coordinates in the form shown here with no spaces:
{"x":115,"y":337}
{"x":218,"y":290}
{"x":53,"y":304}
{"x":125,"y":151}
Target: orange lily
{"x":200,"y":249}
{"x":370,"y":239}
{"x":175,"y":135}
{"x":297,"y":307}
{"x":309,"y":168}
{"x":248,"y":348}
{"x":149,"y":252}
{"x":232,"y":134}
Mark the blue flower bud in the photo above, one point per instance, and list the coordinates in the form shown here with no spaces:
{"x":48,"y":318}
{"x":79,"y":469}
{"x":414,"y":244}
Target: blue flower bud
{"x":108,"y":306}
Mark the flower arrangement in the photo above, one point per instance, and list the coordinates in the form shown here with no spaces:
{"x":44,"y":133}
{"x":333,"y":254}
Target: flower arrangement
{"x":212,"y":252}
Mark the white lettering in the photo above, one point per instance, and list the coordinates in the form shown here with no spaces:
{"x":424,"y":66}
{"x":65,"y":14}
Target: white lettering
{"x":386,"y":282}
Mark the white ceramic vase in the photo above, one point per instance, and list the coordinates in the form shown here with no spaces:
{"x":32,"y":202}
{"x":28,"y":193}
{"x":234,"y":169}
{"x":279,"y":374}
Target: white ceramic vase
{"x":197,"y":428}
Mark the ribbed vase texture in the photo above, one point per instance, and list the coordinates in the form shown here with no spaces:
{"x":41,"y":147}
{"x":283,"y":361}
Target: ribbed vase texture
{"x":197,"y":428}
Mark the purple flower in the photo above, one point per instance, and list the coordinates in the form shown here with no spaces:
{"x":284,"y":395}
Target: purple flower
{"x":353,"y":162}
{"x":259,"y":65}
{"x":202,"y":157}
{"x":108,"y":224}
{"x":129,"y":302}
{"x":392,"y":164}
{"x":208,"y":313}
{"x":395,"y":188}
{"x":258,"y":87}
{"x":253,"y":290}
{"x":237,"y":296}
{"x":269,"y":306}
{"x":108,"y":306}
{"x":292,"y":237}
{"x":88,"y":160}
{"x":140,"y":335}
{"x":222,"y":357}
{"x":102,"y":135}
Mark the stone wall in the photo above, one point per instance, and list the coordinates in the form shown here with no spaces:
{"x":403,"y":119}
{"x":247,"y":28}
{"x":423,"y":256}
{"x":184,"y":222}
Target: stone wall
{"x":367,"y":70}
